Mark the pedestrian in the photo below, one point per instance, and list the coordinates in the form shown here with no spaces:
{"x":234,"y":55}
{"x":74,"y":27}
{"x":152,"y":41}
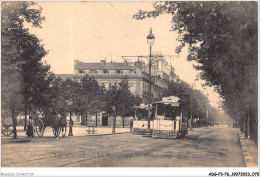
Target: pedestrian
{"x":30,"y":127}
{"x":131,"y":125}
{"x":70,"y":125}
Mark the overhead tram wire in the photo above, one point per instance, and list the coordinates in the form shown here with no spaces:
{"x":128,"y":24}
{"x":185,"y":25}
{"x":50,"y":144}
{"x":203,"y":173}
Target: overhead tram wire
{"x":183,"y":72}
{"x":136,"y":30}
{"x":80,"y":38}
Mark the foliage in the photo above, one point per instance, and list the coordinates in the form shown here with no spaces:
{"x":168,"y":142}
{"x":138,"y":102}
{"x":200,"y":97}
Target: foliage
{"x":22,"y":51}
{"x":121,"y":98}
{"x":22,"y":70}
{"x":91,"y":95}
{"x":189,"y":98}
{"x":222,"y":39}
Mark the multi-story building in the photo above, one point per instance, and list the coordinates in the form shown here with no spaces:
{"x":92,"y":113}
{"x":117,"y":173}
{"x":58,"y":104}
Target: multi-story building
{"x":137,"y":73}
{"x":112,"y":73}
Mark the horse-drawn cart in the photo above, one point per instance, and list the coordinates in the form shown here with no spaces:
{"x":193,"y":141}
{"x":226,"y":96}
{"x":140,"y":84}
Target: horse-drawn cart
{"x":58,"y":124}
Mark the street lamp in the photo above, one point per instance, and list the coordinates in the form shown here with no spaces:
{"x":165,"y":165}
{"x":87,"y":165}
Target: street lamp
{"x":150,"y":42}
{"x":69,"y":102}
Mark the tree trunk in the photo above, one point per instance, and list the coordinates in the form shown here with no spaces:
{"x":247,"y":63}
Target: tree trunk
{"x":86,"y":119}
{"x":83,"y":120}
{"x":25,"y":120}
{"x":14,"y":124}
{"x":123,"y":122}
{"x":96,"y":119}
{"x":246,"y":123}
{"x":114,"y":124}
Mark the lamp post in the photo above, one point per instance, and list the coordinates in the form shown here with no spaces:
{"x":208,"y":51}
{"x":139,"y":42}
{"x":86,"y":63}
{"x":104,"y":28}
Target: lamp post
{"x":70,"y":122}
{"x":150,"y":42}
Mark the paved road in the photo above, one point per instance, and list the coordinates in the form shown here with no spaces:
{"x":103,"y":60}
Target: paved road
{"x":203,"y":147}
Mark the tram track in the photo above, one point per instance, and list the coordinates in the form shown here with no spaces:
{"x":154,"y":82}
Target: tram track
{"x":113,"y":154}
{"x":67,"y":154}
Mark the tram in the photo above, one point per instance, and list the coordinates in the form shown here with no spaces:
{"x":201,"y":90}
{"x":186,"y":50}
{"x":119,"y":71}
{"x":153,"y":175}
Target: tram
{"x":170,"y":120}
{"x":140,"y":123}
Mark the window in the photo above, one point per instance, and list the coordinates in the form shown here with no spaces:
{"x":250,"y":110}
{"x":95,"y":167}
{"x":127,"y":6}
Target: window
{"x":105,"y":84}
{"x":160,"y":110}
{"x":118,"y":71}
{"x":105,"y":71}
{"x":81,"y":71}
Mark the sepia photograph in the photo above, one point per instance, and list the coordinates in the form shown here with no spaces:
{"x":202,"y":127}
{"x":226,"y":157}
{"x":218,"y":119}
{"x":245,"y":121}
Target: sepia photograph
{"x":129,"y":84}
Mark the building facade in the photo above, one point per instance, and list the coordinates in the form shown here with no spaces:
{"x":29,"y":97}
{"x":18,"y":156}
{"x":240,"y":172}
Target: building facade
{"x":112,"y":73}
{"x":137,"y":73}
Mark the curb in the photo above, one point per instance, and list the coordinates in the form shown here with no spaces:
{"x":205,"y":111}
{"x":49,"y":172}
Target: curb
{"x":106,"y":134}
{"x":17,"y":141}
{"x":246,"y":155}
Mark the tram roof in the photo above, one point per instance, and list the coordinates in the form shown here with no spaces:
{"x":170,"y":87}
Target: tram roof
{"x":172,"y":100}
{"x":142,"y":106}
{"x":165,"y":102}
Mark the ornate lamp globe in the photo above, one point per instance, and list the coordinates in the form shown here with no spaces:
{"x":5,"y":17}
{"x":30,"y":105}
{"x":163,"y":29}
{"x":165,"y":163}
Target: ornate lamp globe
{"x":150,"y":38}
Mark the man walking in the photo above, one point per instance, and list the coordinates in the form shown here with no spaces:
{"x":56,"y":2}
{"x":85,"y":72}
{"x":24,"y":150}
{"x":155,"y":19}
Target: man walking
{"x":131,"y":125}
{"x":70,"y":126}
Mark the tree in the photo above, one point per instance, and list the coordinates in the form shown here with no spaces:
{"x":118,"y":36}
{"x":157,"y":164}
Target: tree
{"x":11,"y":99}
{"x":193,"y":100}
{"x":128,"y":100}
{"x":222,"y":39}
{"x":19,"y":48}
{"x":120,"y":101}
{"x":112,"y":103}
{"x":90,"y":98}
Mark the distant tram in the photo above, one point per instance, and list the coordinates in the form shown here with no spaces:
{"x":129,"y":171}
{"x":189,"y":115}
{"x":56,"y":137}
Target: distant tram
{"x":168,"y":120}
{"x":140,"y":123}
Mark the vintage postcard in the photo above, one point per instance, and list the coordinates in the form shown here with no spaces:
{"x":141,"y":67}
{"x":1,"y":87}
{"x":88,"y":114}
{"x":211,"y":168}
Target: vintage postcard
{"x":129,"y":84}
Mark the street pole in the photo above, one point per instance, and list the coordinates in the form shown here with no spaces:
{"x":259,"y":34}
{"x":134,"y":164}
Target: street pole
{"x":150,"y":42}
{"x":149,"y":90}
{"x":70,"y":125}
{"x":70,"y":122}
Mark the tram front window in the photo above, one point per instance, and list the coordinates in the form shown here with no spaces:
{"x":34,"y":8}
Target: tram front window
{"x":160,"y":110}
{"x":168,"y":111}
{"x":142,"y":114}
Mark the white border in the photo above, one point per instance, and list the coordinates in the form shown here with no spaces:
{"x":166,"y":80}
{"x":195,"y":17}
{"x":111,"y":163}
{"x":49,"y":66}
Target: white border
{"x":169,"y":171}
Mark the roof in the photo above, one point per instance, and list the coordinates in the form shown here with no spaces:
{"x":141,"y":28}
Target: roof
{"x":108,"y":66}
{"x":172,"y":100}
{"x":65,"y":76}
{"x":142,"y":106}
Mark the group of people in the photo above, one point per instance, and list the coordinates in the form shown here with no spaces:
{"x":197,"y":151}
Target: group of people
{"x":30,"y":132}
{"x":30,"y":125}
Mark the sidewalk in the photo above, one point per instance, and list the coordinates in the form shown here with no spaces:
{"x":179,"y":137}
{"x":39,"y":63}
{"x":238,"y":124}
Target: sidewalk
{"x":253,"y":150}
{"x":99,"y":131}
{"x":77,"y":131}
{"x":250,"y":150}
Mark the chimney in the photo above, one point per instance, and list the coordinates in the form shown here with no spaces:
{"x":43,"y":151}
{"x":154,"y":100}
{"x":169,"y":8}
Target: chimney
{"x":125,"y":62}
{"x":76,"y":62}
{"x":103,"y":62}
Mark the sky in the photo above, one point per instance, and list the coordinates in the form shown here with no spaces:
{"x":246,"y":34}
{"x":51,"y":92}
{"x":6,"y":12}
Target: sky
{"x":92,"y":31}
